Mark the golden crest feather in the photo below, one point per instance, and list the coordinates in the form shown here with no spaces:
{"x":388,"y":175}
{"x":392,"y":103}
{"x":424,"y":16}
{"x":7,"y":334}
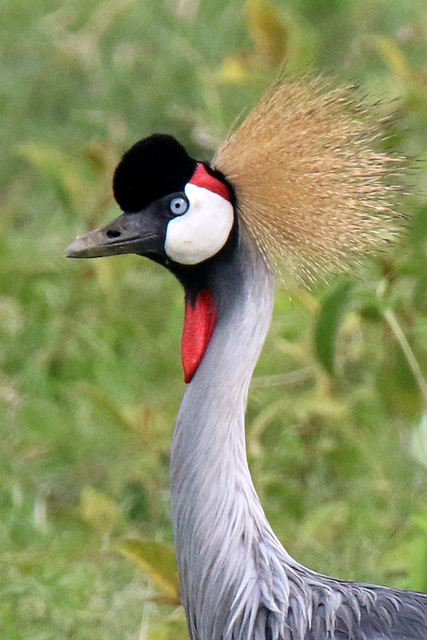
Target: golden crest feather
{"x":311,"y":186}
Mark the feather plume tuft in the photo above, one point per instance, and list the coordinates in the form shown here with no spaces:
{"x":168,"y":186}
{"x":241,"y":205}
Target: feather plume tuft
{"x":311,"y":185}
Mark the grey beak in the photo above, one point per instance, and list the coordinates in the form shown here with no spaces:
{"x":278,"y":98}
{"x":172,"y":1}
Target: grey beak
{"x":129,"y":233}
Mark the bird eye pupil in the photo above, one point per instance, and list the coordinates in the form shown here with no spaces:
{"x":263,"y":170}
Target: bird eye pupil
{"x":178,"y":205}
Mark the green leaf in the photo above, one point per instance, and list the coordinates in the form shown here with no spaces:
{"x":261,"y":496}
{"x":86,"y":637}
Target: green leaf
{"x":371,"y":313}
{"x":328,"y":323}
{"x":99,"y":510}
{"x":393,"y":57}
{"x":267,"y":31}
{"x":420,"y":520}
{"x":158,"y":561}
{"x":419,"y":444}
{"x":397,"y":386}
{"x":172,"y":630}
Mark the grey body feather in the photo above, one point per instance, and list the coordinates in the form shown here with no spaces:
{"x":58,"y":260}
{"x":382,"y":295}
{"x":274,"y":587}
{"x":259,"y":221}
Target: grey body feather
{"x":238,"y":582}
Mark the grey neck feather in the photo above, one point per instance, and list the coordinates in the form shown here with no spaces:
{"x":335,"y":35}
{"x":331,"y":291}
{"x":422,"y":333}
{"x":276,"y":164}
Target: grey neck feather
{"x":237,"y":580}
{"x":223,"y":538}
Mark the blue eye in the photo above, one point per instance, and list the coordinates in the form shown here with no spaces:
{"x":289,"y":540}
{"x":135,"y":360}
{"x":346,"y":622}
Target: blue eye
{"x":178,"y":206}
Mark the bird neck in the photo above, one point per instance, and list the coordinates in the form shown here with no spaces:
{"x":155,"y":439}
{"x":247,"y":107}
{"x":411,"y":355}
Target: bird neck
{"x":219,"y":523}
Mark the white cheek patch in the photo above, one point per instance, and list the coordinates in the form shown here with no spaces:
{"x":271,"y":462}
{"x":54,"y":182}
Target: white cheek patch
{"x":203,"y":230}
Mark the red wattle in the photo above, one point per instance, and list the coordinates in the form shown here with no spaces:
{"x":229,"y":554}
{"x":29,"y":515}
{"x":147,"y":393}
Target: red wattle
{"x":199,"y":323}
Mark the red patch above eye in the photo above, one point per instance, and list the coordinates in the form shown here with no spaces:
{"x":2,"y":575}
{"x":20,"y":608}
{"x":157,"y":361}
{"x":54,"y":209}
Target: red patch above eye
{"x":199,"y":323}
{"x":202,"y":178}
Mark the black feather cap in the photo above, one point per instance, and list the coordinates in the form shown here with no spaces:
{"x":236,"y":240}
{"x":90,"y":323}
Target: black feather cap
{"x":152,"y":168}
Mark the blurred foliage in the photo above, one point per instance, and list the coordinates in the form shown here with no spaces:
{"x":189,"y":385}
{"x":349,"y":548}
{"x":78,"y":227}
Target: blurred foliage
{"x":337,"y":433}
{"x":157,"y":560}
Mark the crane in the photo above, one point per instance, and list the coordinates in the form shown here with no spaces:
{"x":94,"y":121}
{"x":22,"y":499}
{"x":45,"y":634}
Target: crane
{"x":300,"y":183}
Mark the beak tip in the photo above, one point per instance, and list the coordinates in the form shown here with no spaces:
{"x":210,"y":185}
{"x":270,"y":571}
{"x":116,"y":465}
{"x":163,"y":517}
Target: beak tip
{"x":74,"y":248}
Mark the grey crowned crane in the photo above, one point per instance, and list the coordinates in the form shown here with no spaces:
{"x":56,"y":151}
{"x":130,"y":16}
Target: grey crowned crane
{"x":298,"y":183}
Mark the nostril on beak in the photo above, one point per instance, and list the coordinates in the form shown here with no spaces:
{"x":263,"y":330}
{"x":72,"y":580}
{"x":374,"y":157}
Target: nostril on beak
{"x":113,"y":233}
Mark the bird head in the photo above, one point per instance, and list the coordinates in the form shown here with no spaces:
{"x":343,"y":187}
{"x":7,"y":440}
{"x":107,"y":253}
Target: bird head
{"x":176,"y":210}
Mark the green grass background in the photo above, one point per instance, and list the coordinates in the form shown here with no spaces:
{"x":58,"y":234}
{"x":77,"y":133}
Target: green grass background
{"x":90,"y":377}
